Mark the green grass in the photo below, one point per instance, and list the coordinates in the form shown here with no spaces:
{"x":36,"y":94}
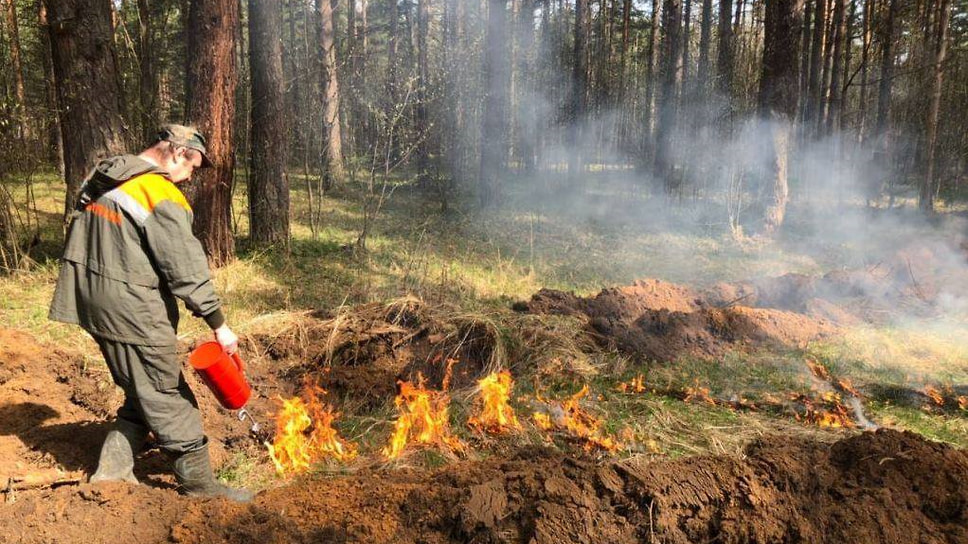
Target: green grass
{"x":480,"y":261}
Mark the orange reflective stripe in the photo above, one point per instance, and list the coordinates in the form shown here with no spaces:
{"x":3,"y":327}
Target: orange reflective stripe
{"x":101,"y":211}
{"x":149,"y":190}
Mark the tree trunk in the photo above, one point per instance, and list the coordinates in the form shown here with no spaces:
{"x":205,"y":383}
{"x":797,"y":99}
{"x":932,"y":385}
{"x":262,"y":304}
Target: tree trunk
{"x":52,"y":120}
{"x":580,"y":73}
{"x":686,"y":35}
{"x":268,"y":184}
{"x":667,"y":107}
{"x":724,"y":68}
{"x":805,"y":62}
{"x":85,"y":75}
{"x":705,"y":39}
{"x":18,"y":71}
{"x":147,"y":75}
{"x":839,"y":27}
{"x":929,"y":185}
{"x":333,"y":142}
{"x":648,"y":117}
{"x":844,"y":115}
{"x":887,"y":74}
{"x":363,"y":57}
{"x":393,"y":39}
{"x":451,"y":143}
{"x":864,"y":70}
{"x":825,"y":72}
{"x":212,"y":78}
{"x":422,"y":120}
{"x":816,"y":66}
{"x":777,"y":99}
{"x":497,"y":82}
{"x":526,"y":116}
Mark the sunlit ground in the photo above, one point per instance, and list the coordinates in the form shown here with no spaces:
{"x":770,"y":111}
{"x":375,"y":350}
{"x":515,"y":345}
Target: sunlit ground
{"x":483,"y":260}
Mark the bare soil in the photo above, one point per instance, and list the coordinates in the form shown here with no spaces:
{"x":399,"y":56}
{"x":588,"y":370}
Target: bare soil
{"x":656,"y":320}
{"x":873,"y":487}
{"x":661,"y":321}
{"x":883,"y":486}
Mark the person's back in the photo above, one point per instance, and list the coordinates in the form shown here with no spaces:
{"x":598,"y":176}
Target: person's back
{"x":129,"y":254}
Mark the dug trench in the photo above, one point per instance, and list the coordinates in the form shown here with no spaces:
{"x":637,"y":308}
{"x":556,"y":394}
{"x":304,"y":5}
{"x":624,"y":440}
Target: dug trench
{"x":884,"y":486}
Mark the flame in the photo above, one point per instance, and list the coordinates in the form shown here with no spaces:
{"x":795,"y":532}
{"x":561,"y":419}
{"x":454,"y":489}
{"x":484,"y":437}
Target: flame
{"x":934,"y":395}
{"x":496,"y":414}
{"x":849,"y":387}
{"x":698,"y":393}
{"x":542,"y":421}
{"x":448,"y":374}
{"x":569,"y":416}
{"x":305,"y":434}
{"x":635,"y":385}
{"x":963,"y":402}
{"x":818,"y":370}
{"x":829,"y":412}
{"x":423,"y":418}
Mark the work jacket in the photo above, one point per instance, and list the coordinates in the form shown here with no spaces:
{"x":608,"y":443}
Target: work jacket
{"x":129,"y":253}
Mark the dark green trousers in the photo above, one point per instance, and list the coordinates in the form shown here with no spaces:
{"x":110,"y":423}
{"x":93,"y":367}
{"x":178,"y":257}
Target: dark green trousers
{"x":157,"y":396}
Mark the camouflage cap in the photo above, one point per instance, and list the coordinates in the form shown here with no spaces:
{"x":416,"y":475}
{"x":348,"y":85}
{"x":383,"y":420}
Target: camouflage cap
{"x":188,"y":137}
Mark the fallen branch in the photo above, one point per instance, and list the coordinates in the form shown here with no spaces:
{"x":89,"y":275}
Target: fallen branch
{"x":39,"y":480}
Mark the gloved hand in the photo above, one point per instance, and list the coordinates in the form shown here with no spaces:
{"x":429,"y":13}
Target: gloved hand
{"x":227,"y":339}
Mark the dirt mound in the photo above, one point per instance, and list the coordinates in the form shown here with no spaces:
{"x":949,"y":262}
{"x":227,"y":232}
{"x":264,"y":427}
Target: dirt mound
{"x":656,"y":320}
{"x":875,"y":487}
{"x":55,"y":409}
{"x":360,"y":353}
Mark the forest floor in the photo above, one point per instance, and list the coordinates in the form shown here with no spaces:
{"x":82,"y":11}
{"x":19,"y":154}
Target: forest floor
{"x":733,"y":387}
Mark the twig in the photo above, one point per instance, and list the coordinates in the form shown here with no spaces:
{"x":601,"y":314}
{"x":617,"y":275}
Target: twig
{"x":917,"y":286}
{"x":734,"y":301}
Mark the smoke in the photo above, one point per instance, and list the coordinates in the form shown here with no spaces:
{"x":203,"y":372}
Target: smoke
{"x":848,"y":209}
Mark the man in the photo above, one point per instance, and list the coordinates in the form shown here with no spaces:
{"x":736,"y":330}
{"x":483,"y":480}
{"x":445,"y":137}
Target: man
{"x":129,"y":253}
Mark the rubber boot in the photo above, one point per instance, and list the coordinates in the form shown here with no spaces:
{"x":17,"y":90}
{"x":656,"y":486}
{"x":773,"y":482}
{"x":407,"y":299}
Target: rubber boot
{"x":116,"y":463}
{"x":193,"y":470}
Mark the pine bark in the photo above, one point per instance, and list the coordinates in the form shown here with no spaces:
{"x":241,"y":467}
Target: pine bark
{"x":929,"y":183}
{"x":423,"y":95}
{"x":212,"y":78}
{"x":147,"y":73}
{"x":724,"y":62}
{"x":580,"y":76}
{"x":18,"y":71}
{"x":648,"y":116}
{"x":334,"y":172}
{"x":816,"y":65}
{"x":686,"y":52}
{"x":865,"y":70}
{"x":835,"y":105}
{"x":55,"y":146}
{"x":777,"y":99}
{"x":86,"y":78}
{"x":393,"y":39}
{"x":667,"y":106}
{"x":888,"y":33}
{"x":525,"y":107}
{"x":268,"y":183}
{"x":497,"y":82}
{"x":705,"y":40}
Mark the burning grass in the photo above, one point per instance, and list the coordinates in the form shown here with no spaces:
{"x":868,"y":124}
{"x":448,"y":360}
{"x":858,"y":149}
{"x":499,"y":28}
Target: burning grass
{"x":423,"y":419}
{"x":569,"y":416}
{"x":305,"y":434}
{"x":495,"y":414}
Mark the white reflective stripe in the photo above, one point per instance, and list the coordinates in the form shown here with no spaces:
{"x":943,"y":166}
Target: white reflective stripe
{"x":128,"y":204}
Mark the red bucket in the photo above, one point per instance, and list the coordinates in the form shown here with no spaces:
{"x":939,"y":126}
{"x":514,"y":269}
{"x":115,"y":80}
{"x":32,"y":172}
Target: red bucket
{"x":223,"y":373}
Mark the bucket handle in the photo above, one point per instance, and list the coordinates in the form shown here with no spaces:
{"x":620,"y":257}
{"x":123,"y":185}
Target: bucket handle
{"x":238,"y":362}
